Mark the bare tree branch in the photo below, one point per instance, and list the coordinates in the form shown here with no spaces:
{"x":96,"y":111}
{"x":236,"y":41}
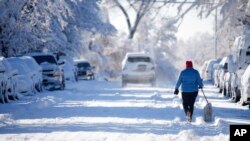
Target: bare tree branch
{"x":124,"y":12}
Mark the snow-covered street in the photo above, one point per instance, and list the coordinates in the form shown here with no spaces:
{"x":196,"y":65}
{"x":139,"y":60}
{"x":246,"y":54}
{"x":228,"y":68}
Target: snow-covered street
{"x":99,"y":110}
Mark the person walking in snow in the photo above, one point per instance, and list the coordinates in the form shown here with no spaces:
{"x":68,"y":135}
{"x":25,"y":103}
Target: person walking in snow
{"x":190,"y":82}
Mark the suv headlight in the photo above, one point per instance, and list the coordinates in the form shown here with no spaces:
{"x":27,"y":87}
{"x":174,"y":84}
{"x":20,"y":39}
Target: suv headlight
{"x":57,"y":72}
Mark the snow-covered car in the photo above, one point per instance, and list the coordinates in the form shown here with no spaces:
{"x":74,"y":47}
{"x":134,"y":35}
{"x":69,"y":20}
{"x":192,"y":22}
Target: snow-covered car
{"x":138,"y":68}
{"x":242,"y":60}
{"x":35,"y":70}
{"x":226,"y":64}
{"x":9,"y":92}
{"x":235,"y":91}
{"x":25,"y":82}
{"x":53,"y":76}
{"x":242,"y":53}
{"x":216,"y":75}
{"x":70,"y":69}
{"x":85,"y":70}
{"x":245,"y":87}
{"x":207,"y":69}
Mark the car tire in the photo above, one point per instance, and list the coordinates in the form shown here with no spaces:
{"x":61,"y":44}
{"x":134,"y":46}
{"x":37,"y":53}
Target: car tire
{"x":237,"y":98}
{"x":243,"y":103}
{"x":37,"y":87}
{"x":224,"y":91}
{"x":40,"y":87}
{"x":233,"y":96}
{"x":6,"y":98}
{"x":2,"y":100}
{"x":220,"y":90}
{"x":237,"y":95}
{"x":1,"y":96}
{"x":13,"y":95}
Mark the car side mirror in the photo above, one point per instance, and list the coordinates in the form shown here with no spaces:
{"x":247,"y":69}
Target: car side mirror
{"x":225,"y":66}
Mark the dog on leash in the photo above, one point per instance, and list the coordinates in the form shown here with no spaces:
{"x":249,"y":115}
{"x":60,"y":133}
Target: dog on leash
{"x":208,"y":113}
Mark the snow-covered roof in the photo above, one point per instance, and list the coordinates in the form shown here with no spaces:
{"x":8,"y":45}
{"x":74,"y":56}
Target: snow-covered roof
{"x":139,"y":54}
{"x":19,"y":65}
{"x":31,"y":62}
{"x":81,"y":61}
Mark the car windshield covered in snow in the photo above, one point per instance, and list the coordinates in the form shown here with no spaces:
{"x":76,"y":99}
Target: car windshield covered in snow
{"x":139,"y":59}
{"x":45,"y":58}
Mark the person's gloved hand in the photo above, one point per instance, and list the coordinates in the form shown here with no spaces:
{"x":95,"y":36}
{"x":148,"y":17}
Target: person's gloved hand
{"x":200,"y":87}
{"x":176,"y":91}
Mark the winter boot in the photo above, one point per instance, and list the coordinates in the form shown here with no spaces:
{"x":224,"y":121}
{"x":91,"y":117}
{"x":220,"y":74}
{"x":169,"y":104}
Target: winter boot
{"x":188,"y":117}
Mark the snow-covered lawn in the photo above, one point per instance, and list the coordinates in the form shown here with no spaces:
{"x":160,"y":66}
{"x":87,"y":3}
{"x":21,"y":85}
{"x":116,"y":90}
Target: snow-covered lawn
{"x":103,"y":111}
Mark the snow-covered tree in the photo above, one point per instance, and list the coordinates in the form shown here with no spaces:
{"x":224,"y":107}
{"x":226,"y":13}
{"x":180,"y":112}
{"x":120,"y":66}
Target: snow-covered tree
{"x":233,"y":16}
{"x":135,"y":10}
{"x":28,"y":25}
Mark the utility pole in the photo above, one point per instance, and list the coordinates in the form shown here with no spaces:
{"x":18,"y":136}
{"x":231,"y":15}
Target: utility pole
{"x":215,"y":34}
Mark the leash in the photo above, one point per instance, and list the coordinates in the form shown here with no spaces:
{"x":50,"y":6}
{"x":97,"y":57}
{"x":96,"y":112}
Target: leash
{"x":204,"y":95}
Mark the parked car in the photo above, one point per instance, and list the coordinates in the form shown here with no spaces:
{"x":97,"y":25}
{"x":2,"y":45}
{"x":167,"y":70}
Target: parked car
{"x":216,"y":75}
{"x":35,"y":70}
{"x":85,"y":70}
{"x":53,"y":76}
{"x":224,"y":77}
{"x":138,"y":68}
{"x":207,"y":69}
{"x":9,"y":91}
{"x":245,"y":87}
{"x":25,"y":82}
{"x":241,"y":60}
{"x":70,"y":69}
{"x":242,"y":51}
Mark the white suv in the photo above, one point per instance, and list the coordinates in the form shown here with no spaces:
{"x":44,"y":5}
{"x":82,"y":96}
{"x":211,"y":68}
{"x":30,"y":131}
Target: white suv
{"x":138,"y":68}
